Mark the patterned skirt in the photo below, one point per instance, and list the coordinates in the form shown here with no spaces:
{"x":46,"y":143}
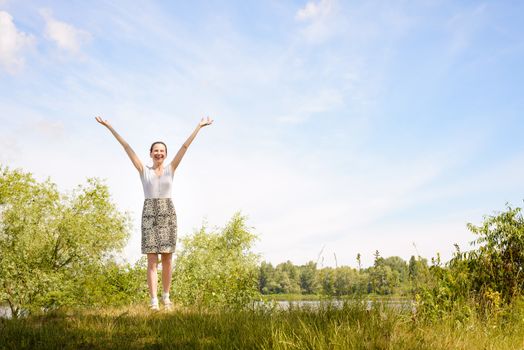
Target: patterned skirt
{"x":159,"y":227}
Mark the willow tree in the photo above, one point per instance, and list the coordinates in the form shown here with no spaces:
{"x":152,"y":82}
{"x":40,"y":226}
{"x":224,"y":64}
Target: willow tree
{"x":217,"y":268}
{"x":50,"y":240}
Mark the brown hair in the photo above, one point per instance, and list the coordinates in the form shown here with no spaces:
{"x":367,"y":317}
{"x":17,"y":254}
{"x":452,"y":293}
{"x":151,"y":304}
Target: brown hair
{"x":157,"y":142}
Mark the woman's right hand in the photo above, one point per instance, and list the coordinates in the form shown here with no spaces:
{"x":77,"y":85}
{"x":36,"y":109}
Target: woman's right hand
{"x":132,"y":155}
{"x":204,"y":122}
{"x":103,"y":122}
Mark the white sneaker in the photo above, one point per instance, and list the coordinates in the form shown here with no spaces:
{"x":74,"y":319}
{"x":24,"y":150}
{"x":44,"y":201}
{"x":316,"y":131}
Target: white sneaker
{"x":154,"y":306}
{"x":168,"y":305}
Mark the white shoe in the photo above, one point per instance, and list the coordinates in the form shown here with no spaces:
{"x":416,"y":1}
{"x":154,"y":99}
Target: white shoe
{"x":168,"y":305}
{"x":154,"y":306}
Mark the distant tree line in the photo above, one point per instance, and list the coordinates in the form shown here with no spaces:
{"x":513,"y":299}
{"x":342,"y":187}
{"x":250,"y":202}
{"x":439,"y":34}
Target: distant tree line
{"x":387,"y":276}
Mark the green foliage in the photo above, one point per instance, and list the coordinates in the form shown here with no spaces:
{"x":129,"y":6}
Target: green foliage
{"x":484,"y":278}
{"x":308,"y":278}
{"x":418,"y":273}
{"x":492,"y":274}
{"x":497,"y":265}
{"x":399,"y":265}
{"x":347,"y":281}
{"x":383,"y":278}
{"x":288,"y":277}
{"x":111,"y":283}
{"x":327,"y":280}
{"x":50,"y":241}
{"x":444,"y":294}
{"x":267,"y":280}
{"x":217,"y":268}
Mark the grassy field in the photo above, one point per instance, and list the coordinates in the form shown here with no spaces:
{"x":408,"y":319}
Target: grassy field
{"x":349,"y":327}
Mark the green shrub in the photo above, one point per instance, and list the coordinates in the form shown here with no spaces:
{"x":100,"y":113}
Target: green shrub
{"x":50,"y":241}
{"x":485,"y":278}
{"x":217,"y":268}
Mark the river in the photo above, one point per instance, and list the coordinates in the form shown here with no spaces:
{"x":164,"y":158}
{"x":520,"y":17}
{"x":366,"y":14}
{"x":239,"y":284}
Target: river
{"x":315,"y":304}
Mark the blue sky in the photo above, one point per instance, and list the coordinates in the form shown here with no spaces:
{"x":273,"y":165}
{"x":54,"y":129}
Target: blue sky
{"x":344,"y":126}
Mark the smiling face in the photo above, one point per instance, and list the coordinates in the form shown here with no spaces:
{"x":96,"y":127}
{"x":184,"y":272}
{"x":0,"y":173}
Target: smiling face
{"x":158,"y":152}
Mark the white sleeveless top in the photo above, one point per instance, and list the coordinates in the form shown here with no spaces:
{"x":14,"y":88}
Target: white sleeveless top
{"x":157,"y":186}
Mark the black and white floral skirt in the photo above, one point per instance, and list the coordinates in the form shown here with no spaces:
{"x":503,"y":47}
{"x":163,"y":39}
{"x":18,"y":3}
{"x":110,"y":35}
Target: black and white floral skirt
{"x":159,"y":227}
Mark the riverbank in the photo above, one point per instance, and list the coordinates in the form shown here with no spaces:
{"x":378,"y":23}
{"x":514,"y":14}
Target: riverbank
{"x":349,"y":327}
{"x":320,"y":297}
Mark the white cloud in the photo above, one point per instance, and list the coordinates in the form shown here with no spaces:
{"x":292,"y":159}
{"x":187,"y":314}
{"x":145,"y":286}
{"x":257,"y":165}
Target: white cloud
{"x":12,"y":44}
{"x":314,"y":11}
{"x":64,"y":35}
{"x":319,"y":18}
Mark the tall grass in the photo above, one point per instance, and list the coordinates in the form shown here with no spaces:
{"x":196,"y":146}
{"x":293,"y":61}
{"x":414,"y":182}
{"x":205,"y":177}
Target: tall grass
{"x":352,"y":326}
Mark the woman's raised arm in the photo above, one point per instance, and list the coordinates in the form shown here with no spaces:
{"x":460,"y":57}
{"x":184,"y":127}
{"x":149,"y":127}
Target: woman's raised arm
{"x":132,"y":155}
{"x":180,"y":154}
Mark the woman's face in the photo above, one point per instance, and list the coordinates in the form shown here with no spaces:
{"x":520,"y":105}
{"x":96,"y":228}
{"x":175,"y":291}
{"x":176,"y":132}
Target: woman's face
{"x":158,"y":154}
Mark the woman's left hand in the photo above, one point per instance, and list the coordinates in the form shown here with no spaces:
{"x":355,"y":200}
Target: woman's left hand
{"x":204,"y":121}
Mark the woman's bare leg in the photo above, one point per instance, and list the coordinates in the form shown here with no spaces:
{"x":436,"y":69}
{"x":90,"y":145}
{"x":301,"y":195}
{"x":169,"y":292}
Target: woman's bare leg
{"x":152,"y":277}
{"x":167,"y":262}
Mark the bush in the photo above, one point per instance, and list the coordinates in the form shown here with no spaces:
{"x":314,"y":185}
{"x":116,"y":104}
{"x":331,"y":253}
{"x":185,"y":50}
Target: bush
{"x":485,"y":278}
{"x":49,"y":241}
{"x":217,"y":268}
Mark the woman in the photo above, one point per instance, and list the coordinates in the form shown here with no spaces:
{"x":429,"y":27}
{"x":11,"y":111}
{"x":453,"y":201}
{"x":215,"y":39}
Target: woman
{"x":159,"y":225}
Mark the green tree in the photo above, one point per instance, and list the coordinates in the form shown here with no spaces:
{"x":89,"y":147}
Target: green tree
{"x":308,"y":278}
{"x":418,"y":273}
{"x":346,"y":280}
{"x":489,"y":275}
{"x":288,"y":276}
{"x":265,"y":277}
{"x":362,"y":283}
{"x":112,"y":283}
{"x":398,"y":264}
{"x":49,"y":240}
{"x":382,"y":278}
{"x":217,"y":268}
{"x":327,"y":280}
{"x":497,"y":265}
